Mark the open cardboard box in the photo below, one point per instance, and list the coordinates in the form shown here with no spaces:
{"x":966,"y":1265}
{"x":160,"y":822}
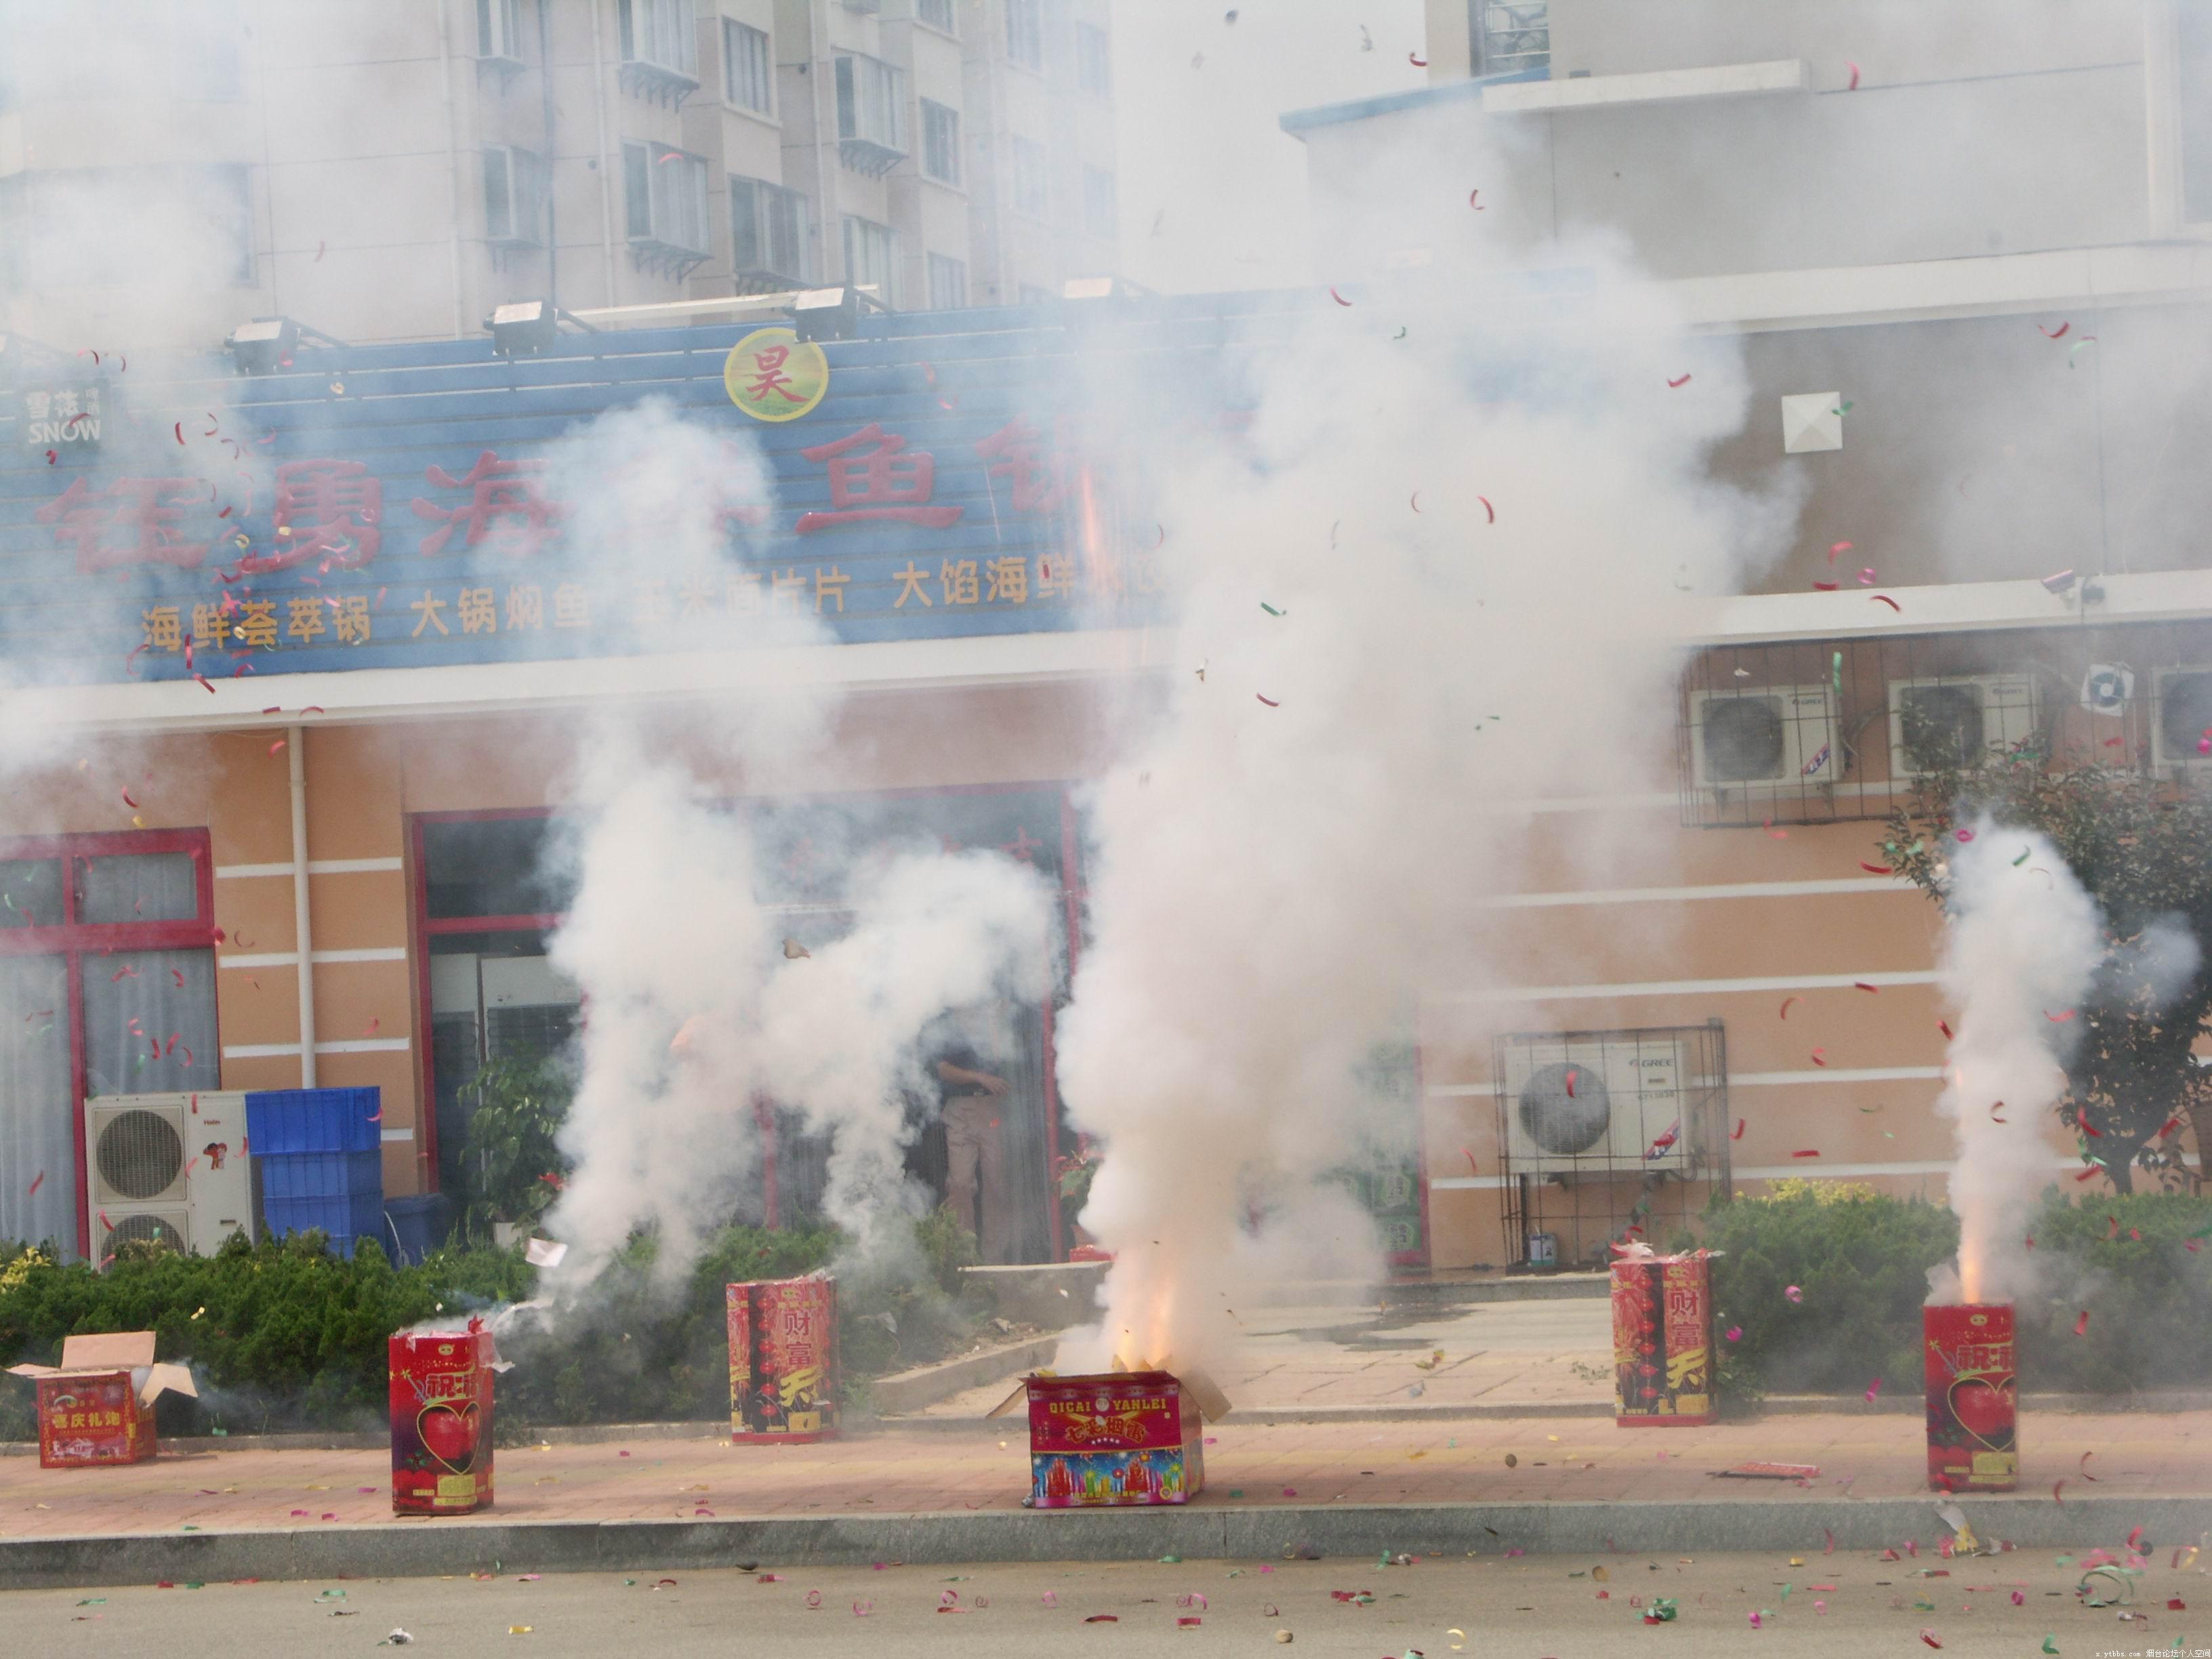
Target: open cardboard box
{"x":97,"y":1406}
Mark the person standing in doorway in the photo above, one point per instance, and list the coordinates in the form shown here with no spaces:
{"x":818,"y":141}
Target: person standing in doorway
{"x":971,"y":1104}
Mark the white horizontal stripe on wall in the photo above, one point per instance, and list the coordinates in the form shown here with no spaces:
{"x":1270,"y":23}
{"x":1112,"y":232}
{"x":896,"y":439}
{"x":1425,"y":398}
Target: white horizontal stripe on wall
{"x":379,"y":953}
{"x":266,"y":959}
{"x":1808,"y":1167}
{"x":366,"y":1046}
{"x":263,"y":1051}
{"x":1687,"y":988}
{"x":315,"y":867}
{"x":289,"y":958}
{"x":1733,"y":890}
{"x":1746,"y":1080}
{"x":400,"y":1134}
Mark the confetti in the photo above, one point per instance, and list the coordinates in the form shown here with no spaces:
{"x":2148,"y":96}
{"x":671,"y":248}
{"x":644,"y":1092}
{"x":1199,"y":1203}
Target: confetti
{"x":37,"y":1181}
{"x":2048,"y":335}
{"x":1417,"y":62}
{"x":1270,"y":701}
{"x":1944,"y":1026}
{"x":1488,"y":508}
{"x":1819,"y":1056}
{"x":1996,"y":1106}
{"x":2059,"y":1019}
{"x":1734,"y":1333}
{"x":1270,"y":609}
{"x":1877,"y":869}
{"x":1793,"y":1292}
{"x":1824,"y":587}
{"x":1786,"y":1001}
{"x":1813,"y":1153}
{"x":1884,"y":599}
{"x":1873,"y":1389}
{"x":1339,"y":298}
{"x":1417,"y":501}
{"x":1861,"y":985}
{"x":2081,"y":1325}
{"x":1677,"y":384}
{"x":1854,"y":68}
{"x":1738,"y":1135}
{"x":1929,"y":1636}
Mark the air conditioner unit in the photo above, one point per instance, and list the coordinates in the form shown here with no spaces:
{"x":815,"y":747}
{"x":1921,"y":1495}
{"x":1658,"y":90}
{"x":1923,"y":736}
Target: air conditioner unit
{"x":1768,"y":740}
{"x":1939,"y":724}
{"x":171,"y":1168}
{"x":1609,"y":1107}
{"x":2184,"y":701}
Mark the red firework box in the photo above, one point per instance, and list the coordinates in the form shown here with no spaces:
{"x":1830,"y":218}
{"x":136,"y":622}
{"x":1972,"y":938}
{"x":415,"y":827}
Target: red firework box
{"x":783,"y":1360}
{"x":1126,"y":1437}
{"x":442,"y":1453}
{"x":1663,"y":1339}
{"x":1972,"y":1430}
{"x":97,"y":1406}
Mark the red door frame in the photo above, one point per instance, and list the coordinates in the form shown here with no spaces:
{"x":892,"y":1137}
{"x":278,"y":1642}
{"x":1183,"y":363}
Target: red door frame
{"x":426,"y":927}
{"x":73,"y":941}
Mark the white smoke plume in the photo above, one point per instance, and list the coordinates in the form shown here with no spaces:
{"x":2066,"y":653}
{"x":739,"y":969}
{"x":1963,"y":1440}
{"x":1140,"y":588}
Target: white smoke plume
{"x":2023,"y":945}
{"x":1432,"y":581}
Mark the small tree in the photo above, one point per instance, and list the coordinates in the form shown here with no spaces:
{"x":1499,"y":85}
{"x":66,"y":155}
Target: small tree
{"x":2143,"y":850}
{"x":514,"y":1169}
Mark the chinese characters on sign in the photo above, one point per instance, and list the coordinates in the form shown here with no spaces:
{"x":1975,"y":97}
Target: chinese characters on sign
{"x":62,"y":418}
{"x":774,"y":375}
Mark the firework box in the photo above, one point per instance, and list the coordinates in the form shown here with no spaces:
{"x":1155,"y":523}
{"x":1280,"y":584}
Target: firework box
{"x":441,"y":1398}
{"x":1972,"y":1435}
{"x":1124,"y":1438}
{"x":1663,"y":1339}
{"x":783,"y":1360}
{"x":97,"y":1406}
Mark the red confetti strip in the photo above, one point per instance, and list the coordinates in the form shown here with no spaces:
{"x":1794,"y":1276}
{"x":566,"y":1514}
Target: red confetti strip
{"x":1418,"y":63}
{"x":1270,"y":701}
{"x":1944,"y":1026}
{"x":1929,"y":1636}
{"x":276,"y":745}
{"x":1339,"y":298}
{"x":2092,"y":1130}
{"x":122,"y":973}
{"x":178,"y":975}
{"x":1884,"y":599}
{"x":2086,"y":1174}
{"x":1876,"y":869}
{"x":104,"y":1222}
{"x":1473,"y":1168}
{"x":1824,"y":587}
{"x":1786,"y":1001}
{"x":1417,"y":501}
{"x":132,"y":657}
{"x":188,"y":1060}
{"x":1830,"y":1548}
{"x":2112,"y":1226}
{"x":2167,"y":1128}
{"x":1738,"y":1135}
{"x":37,"y":1181}
{"x":2057,"y":1019}
{"x":1854,"y":86}
{"x":2048,"y":335}
{"x":1861,"y":985}
{"x":1472,"y":202}
{"x":1772,"y":833}
{"x":52,"y":455}
{"x":1677,"y":384}
{"x":1571,"y":1075}
{"x":180,"y":429}
{"x":127,"y":801}
{"x":2081,"y":1325}
{"x":201,"y":681}
{"x":1488,"y":508}
{"x":1996,"y":1106}
{"x":372,"y":1024}
{"x":1834,"y":548}
{"x":2135,"y":1538}
{"x":1814,"y":1154}
{"x":1819,"y":1056}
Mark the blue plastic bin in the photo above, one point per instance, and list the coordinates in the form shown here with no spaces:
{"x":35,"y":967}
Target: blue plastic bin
{"x":347,"y":1220}
{"x":286,"y":1176}
{"x":280,"y":1121}
{"x":416,"y":1225}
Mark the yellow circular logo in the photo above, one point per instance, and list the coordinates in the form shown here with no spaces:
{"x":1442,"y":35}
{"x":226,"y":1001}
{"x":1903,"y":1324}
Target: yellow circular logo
{"x":774,"y":375}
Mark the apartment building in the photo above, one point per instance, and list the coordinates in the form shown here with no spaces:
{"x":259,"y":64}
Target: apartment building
{"x":1959,"y":254}
{"x":395,"y":171}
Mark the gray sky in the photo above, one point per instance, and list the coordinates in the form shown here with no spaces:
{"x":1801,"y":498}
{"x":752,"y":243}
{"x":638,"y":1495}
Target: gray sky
{"x":1200,"y":145}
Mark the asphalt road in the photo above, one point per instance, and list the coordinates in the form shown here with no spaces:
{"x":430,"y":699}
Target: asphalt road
{"x":1526,"y":1607}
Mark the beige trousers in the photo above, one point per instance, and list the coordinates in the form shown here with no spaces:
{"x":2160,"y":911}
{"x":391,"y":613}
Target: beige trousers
{"x":976,"y":1170}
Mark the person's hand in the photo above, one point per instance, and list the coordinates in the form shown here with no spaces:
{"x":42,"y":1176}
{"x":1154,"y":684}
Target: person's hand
{"x":992,"y":1085}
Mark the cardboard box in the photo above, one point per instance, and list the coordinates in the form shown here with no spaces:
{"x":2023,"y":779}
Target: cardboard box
{"x":1973,"y":1443}
{"x":783,"y":1360}
{"x":1663,"y":1339}
{"x":1125,"y":1437}
{"x":97,"y":1406}
{"x":441,"y":1400}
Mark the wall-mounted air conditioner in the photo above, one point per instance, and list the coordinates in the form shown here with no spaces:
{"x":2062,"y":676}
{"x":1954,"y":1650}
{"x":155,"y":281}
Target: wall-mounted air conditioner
{"x":172,"y":1169}
{"x":2184,"y":709}
{"x":1766,"y":741}
{"x":1601,"y":1108}
{"x":1957,"y":724}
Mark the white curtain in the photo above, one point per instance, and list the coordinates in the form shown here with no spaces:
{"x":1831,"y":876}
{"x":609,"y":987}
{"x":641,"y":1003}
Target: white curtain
{"x":38,"y":1132}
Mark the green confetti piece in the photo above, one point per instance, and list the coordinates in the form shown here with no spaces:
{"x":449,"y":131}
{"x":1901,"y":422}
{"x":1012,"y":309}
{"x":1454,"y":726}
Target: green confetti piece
{"x":1836,"y":671}
{"x":93,"y":1601}
{"x":1845,"y":409}
{"x":1171,"y":1560}
{"x":1270,"y":610}
{"x":195,"y":1583}
{"x":2049,"y":1645}
{"x":2024,"y":854}
{"x":1236,"y":1491}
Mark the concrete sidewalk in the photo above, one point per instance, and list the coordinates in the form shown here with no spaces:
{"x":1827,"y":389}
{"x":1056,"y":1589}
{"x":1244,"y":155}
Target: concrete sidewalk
{"x":919,"y":1495}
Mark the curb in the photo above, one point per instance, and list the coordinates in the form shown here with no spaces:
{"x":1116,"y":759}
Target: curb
{"x":1200,"y":1532}
{"x":908,"y":1391}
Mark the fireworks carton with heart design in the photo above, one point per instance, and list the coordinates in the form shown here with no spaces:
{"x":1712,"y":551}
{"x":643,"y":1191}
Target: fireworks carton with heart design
{"x":442,"y":1399}
{"x":97,"y":1406}
{"x":1662,"y":1339}
{"x":783,"y":1360}
{"x":1972,"y":1405}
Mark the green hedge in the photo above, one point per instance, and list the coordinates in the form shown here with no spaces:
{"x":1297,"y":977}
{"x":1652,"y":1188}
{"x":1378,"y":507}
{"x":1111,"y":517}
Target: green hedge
{"x":286,"y":1336}
{"x":1861,"y":1261}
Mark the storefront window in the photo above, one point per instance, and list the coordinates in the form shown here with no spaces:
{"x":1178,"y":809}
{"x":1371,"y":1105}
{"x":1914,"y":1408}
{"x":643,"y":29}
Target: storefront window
{"x":489,"y":907}
{"x":107,"y":986}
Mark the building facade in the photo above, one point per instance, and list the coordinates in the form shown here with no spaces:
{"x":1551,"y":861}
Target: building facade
{"x":395,"y":172}
{"x":1959,"y":255}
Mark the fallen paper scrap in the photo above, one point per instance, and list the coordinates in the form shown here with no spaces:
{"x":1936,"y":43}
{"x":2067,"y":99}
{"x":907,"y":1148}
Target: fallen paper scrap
{"x":544,"y":1252}
{"x":1770,"y":1472}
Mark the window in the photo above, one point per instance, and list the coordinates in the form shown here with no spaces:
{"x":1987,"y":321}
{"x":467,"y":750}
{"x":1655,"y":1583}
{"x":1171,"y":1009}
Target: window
{"x":2194,"y":54}
{"x":1026,"y":32}
{"x":940,"y":142}
{"x":1098,"y":213}
{"x":499,"y":28}
{"x":948,"y":283}
{"x":126,"y":922}
{"x":231,"y":217}
{"x":514,"y":196}
{"x":665,"y":198}
{"x":747,"y":72}
{"x":1511,"y":37}
{"x":870,"y":107}
{"x":868,"y":256}
{"x":663,"y":33}
{"x":1094,"y":60}
{"x":208,"y":63}
{"x":767,"y":230}
{"x":938,"y":14}
{"x":1032,"y":180}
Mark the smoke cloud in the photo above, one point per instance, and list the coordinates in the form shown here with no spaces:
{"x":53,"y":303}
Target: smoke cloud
{"x":2023,"y":947}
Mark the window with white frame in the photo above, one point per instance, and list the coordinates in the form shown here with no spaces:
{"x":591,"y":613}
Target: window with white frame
{"x":1094,"y":60}
{"x":940,"y":142}
{"x":868,"y":256}
{"x":948,"y":283}
{"x":499,"y":28}
{"x":767,"y":230}
{"x":748,"y":71}
{"x":1026,"y":32}
{"x":663,"y":33}
{"x":938,"y":14}
{"x":870,"y":103}
{"x":1098,"y":211}
{"x":665,"y":197}
{"x":1032,"y":180}
{"x":515,"y":195}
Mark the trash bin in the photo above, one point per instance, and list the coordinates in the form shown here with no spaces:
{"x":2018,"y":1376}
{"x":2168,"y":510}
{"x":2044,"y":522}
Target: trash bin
{"x":417,"y":1225}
